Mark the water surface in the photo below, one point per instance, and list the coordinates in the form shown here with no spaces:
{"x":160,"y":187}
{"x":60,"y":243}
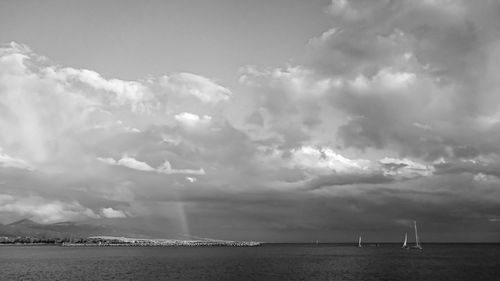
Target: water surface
{"x":270,"y":262}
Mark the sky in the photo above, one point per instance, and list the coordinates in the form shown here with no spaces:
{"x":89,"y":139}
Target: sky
{"x":276,"y":121}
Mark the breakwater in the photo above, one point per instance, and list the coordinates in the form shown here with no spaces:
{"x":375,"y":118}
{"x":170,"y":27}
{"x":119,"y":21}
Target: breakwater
{"x":107,"y":241}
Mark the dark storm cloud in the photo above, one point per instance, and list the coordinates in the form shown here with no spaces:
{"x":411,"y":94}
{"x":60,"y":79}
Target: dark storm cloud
{"x":415,"y":77}
{"x":473,"y":167}
{"x":348,"y":179}
{"x":445,"y":45}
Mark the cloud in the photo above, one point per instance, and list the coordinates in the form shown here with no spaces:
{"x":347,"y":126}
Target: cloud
{"x":290,"y":102}
{"x":165,"y":168}
{"x":131,"y":163}
{"x":197,"y":86}
{"x":336,"y":179}
{"x":394,"y":96}
{"x":191,"y":179}
{"x":43,"y":210}
{"x":480,"y":177}
{"x":133,"y":93}
{"x":342,"y":8}
{"x":107,"y":160}
{"x":112,"y":213}
{"x":8,"y":161}
{"x":189,"y":119}
{"x":51,"y":111}
{"x":385,"y":66}
{"x":485,"y":167}
{"x":326,"y":159}
{"x":405,"y":168}
{"x":385,"y":79}
{"x":321,"y":167}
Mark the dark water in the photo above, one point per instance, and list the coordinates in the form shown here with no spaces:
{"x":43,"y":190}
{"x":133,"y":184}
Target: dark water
{"x":270,"y":262}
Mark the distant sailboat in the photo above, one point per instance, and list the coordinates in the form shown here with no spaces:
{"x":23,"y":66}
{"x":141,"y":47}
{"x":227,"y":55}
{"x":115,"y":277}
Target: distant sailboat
{"x":404,"y":243}
{"x":417,"y":243}
{"x":359,"y":242}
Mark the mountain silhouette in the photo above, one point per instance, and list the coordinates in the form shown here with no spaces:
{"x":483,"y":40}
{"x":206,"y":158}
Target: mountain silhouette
{"x":66,"y":229}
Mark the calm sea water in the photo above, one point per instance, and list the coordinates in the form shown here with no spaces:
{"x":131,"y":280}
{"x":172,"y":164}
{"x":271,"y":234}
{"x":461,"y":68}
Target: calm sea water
{"x":270,"y":262}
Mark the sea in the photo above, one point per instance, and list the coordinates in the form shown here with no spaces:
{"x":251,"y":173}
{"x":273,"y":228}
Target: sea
{"x":467,"y":262}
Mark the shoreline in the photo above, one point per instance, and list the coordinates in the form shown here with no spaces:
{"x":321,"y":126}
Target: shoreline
{"x":184,"y":244}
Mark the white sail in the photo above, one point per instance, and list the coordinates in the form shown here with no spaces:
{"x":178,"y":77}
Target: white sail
{"x":406,"y":239}
{"x":359,"y":242}
{"x":417,"y":243}
{"x":416,"y":235}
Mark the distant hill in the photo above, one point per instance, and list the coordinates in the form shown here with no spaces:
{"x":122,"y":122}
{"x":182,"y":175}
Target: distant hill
{"x":23,"y":222}
{"x":27,"y":227}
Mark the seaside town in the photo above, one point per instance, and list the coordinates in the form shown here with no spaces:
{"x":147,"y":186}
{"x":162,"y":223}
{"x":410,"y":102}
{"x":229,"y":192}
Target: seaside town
{"x":121,"y":241}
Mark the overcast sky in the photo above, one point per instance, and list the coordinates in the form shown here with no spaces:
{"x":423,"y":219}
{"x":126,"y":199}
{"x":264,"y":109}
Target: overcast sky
{"x":281,"y":120}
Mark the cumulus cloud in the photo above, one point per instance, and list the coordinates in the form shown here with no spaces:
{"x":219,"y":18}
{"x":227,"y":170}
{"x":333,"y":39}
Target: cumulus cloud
{"x":112,"y":213}
{"x":324,"y":168}
{"x":134,"y":164}
{"x":318,"y":167}
{"x":133,"y":93}
{"x":385,"y":79}
{"x":191,"y":179}
{"x":405,"y":168}
{"x":197,"y":86}
{"x":51,"y":111}
{"x":165,"y":168}
{"x":189,"y":119}
{"x":60,"y":119}
{"x":8,"y":161}
{"x":326,"y":159}
{"x":385,"y":66}
{"x":43,"y":210}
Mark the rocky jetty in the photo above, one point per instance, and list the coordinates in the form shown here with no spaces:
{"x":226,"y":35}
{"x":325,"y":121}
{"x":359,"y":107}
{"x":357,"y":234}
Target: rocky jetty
{"x":110,"y":241}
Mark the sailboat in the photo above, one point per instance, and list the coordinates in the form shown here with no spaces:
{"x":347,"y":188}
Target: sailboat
{"x":404,"y":243}
{"x":417,"y":243}
{"x":359,"y":242}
